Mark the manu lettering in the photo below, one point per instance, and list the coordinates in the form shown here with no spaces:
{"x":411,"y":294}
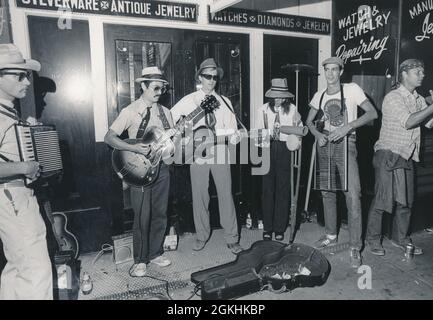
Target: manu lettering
{"x":427,"y":28}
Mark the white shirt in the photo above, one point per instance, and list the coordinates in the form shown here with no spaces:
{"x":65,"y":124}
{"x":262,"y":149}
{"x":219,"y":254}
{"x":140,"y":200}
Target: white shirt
{"x":225,"y":118}
{"x":291,"y":118}
{"x":331,"y":105}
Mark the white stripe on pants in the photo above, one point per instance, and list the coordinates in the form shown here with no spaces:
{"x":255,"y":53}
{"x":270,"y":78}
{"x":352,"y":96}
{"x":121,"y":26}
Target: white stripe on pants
{"x":27,"y":274}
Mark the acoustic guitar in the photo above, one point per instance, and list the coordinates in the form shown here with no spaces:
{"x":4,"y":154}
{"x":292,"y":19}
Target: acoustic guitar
{"x":270,"y":265}
{"x":66,"y":241}
{"x":142,"y":170}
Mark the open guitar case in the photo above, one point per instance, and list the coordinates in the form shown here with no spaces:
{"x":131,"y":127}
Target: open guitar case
{"x":271,"y":265}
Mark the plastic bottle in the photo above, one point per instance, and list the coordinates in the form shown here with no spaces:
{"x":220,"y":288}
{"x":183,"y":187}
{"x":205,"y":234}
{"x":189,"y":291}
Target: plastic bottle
{"x":260,"y":224}
{"x":86,"y":284}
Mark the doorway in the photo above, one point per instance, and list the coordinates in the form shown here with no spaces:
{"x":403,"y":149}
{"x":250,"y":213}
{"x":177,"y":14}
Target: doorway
{"x":178,"y":53}
{"x":280,"y":55}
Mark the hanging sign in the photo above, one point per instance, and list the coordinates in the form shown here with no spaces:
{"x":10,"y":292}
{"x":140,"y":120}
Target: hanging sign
{"x":363,"y":35}
{"x":129,"y":8}
{"x":417,"y":37}
{"x":269,"y":20}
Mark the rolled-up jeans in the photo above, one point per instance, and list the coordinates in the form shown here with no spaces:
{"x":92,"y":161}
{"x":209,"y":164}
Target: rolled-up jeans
{"x":353,"y":199}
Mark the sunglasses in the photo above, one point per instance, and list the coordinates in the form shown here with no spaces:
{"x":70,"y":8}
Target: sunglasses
{"x":160,"y":89}
{"x":210,"y":77}
{"x":21,"y":75}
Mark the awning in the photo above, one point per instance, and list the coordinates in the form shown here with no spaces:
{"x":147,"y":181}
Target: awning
{"x":218,"y":5}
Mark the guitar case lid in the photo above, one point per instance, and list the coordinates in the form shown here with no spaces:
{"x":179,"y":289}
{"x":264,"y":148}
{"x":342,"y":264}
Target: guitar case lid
{"x":269,"y":265}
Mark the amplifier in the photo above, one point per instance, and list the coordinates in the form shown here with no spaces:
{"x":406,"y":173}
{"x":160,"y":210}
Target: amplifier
{"x":122,"y":248}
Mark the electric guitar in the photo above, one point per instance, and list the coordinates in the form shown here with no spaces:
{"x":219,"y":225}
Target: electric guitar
{"x":66,"y":241}
{"x":142,"y":170}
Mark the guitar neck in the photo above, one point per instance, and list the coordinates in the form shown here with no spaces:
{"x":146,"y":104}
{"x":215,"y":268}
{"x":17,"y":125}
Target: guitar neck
{"x":178,"y":128}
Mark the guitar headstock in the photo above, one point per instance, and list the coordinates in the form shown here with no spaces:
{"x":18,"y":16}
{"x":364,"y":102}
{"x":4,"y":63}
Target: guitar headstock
{"x":209,"y":103}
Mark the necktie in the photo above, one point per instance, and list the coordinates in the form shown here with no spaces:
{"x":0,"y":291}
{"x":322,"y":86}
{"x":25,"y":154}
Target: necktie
{"x":210,"y":120}
{"x":277,"y":126}
{"x":143,"y":124}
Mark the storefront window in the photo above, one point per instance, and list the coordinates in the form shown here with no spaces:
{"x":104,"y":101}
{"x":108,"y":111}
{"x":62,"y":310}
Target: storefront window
{"x":131,"y":58}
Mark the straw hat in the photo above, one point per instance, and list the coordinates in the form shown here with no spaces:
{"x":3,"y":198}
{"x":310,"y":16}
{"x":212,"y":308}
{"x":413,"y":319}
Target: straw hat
{"x":12,"y":58}
{"x":151,"y":74}
{"x":279,"y":89}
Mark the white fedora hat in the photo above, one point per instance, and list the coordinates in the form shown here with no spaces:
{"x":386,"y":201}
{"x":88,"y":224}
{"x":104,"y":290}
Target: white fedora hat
{"x":11,"y":58}
{"x":151,"y":74}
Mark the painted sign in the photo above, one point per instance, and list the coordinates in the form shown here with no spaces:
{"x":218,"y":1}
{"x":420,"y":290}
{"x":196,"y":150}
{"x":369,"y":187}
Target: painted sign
{"x":269,"y":20}
{"x":417,"y":37}
{"x":363,"y":37}
{"x":129,"y":8}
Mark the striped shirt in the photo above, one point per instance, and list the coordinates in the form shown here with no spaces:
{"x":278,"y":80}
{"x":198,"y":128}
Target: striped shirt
{"x":397,"y":107}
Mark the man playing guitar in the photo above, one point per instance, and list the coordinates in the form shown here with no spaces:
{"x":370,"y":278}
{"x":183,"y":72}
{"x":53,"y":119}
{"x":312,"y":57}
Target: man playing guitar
{"x":149,"y":203}
{"x":221,"y":121}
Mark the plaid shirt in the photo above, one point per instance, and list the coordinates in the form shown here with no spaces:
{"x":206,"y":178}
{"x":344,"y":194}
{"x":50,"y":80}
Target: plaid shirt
{"x":397,"y":107}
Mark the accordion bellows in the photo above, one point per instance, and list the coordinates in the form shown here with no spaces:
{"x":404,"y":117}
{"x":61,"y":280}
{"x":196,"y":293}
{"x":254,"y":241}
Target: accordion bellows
{"x":40,"y":143}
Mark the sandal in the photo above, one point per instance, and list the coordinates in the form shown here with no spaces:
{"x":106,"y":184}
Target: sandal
{"x":279,"y":236}
{"x":267,"y":235}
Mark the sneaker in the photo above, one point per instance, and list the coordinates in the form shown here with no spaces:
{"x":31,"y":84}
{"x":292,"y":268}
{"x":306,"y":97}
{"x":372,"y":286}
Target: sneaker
{"x":429,"y":230}
{"x":138,"y":270}
{"x":417,"y":250}
{"x":267,"y":235}
{"x":324,"y":241}
{"x":161,"y":261}
{"x":355,"y":258}
{"x":279,"y":236}
{"x":235,"y":248}
{"x":376,"y":248}
{"x":198,"y":245}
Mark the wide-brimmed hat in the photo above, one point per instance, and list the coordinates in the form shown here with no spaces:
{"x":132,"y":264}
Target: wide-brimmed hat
{"x":151,"y":74}
{"x":279,"y":89}
{"x":209,"y":63}
{"x":334,"y":60}
{"x":12,"y":58}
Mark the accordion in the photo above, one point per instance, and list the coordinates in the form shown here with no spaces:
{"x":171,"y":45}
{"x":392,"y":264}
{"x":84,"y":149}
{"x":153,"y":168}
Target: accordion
{"x":40,"y":143}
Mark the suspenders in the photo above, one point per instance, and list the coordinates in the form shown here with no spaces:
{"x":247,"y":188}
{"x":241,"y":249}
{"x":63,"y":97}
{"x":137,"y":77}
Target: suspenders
{"x":146,"y":119}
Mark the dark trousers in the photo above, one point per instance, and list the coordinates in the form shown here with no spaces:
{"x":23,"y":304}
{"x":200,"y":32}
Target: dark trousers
{"x":150,"y":217}
{"x":276,"y":189}
{"x":374,"y":228}
{"x":394,"y":191}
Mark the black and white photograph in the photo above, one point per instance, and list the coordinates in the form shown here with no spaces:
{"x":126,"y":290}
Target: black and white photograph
{"x":220,"y":156}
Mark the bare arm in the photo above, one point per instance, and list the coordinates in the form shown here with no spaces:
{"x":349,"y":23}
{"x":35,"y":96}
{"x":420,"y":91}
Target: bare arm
{"x":112,"y":139}
{"x":320,"y":137}
{"x":30,"y":169}
{"x":369,"y":115}
{"x":416,"y":118}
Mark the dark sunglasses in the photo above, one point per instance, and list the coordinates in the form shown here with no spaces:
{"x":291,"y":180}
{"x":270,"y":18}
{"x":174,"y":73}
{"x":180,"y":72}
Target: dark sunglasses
{"x":21,"y":75}
{"x":160,"y":89}
{"x":209,"y":77}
